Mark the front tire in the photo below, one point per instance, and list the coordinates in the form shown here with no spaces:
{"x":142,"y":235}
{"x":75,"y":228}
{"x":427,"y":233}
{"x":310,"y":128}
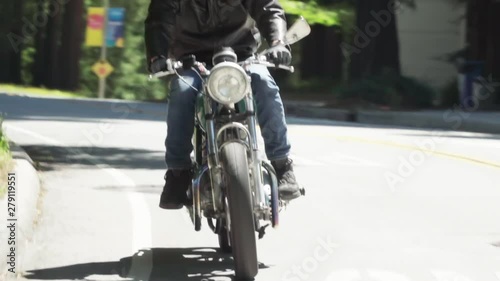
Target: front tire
{"x":240,"y":203}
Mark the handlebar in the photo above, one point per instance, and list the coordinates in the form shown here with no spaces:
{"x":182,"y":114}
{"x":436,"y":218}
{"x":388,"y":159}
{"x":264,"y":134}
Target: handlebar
{"x":261,"y":60}
{"x":175,"y":65}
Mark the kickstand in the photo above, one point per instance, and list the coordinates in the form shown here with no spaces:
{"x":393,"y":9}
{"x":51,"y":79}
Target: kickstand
{"x":262,"y":231}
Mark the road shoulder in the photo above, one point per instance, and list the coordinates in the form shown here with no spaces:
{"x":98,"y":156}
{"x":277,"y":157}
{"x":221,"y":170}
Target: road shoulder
{"x":27,"y":199}
{"x":479,"y":122}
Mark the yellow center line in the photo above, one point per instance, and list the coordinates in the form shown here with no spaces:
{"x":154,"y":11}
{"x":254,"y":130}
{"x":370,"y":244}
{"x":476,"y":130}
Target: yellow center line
{"x":429,"y":151}
{"x":376,"y":142}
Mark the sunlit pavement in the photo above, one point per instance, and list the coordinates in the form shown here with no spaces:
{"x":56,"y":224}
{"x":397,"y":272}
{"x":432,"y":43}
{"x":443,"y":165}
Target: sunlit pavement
{"x":382,"y":204}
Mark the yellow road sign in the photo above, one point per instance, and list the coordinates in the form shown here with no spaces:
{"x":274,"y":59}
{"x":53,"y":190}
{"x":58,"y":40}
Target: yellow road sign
{"x":102,"y":69}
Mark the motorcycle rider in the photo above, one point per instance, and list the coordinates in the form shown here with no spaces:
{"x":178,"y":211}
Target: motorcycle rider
{"x":175,"y":28}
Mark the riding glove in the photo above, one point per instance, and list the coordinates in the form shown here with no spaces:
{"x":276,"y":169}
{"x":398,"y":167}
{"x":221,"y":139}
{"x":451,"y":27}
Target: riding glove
{"x":161,"y":64}
{"x":280,"y":55}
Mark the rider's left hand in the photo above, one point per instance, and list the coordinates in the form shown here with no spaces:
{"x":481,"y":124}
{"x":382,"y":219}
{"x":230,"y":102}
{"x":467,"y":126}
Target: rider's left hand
{"x":161,"y":64}
{"x":280,"y":55}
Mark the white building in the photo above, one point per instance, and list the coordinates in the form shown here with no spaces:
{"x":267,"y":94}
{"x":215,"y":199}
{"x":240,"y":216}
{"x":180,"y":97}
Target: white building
{"x":429,"y":32}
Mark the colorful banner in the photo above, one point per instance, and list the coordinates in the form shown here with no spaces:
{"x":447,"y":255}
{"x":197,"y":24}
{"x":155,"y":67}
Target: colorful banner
{"x":95,"y":27}
{"x":115,"y":28}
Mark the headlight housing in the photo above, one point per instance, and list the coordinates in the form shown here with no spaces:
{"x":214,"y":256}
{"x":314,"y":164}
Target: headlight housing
{"x":228,"y":83}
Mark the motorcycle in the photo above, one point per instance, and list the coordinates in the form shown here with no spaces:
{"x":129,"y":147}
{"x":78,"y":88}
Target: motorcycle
{"x":231,"y":185}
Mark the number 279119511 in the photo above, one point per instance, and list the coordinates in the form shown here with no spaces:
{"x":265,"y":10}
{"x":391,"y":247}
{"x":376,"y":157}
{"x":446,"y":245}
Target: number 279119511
{"x":11,"y":194}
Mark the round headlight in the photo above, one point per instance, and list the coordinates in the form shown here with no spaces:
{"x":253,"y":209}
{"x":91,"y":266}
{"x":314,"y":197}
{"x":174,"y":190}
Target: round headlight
{"x":228,"y":83}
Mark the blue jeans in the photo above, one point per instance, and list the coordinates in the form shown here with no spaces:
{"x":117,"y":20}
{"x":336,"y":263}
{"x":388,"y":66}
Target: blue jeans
{"x":181,"y":112}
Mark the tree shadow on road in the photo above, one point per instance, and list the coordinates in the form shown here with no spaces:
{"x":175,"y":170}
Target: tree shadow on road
{"x":50,"y":157}
{"x":179,"y":264}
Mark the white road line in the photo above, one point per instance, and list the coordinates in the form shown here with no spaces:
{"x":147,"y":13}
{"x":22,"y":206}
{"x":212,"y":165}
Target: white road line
{"x":299,"y":160}
{"x":334,"y":159}
{"x":343,"y":275}
{"x":356,"y":160}
{"x":141,"y":217}
{"x":442,"y":275}
{"x":384,"y":275}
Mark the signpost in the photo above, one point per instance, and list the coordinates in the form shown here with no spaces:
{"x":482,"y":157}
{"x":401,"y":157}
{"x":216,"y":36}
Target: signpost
{"x":105,"y":28}
{"x":102,"y":80}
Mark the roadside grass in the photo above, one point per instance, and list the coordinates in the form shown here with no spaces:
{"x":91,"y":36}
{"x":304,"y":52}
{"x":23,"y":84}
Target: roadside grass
{"x":6,"y":162}
{"x":16,"y":89}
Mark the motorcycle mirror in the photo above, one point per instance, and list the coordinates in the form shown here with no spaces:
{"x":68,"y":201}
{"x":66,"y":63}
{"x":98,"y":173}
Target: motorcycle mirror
{"x":299,"y":29}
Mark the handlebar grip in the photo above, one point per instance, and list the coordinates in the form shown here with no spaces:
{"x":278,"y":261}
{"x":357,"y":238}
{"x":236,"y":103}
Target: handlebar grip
{"x":262,"y":60}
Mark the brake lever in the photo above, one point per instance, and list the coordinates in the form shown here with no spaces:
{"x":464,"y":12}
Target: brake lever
{"x":176,"y":65}
{"x":263,"y":61}
{"x":160,"y":74}
{"x":290,"y":69}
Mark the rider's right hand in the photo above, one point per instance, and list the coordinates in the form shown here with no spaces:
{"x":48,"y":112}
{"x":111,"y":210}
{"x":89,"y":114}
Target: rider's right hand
{"x":161,"y":64}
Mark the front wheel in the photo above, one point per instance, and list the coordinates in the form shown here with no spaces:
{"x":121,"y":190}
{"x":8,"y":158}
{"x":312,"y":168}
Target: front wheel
{"x":240,"y":204}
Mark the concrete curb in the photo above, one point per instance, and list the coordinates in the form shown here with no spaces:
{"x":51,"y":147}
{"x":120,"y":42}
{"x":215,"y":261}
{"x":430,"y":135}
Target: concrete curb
{"x":27,"y":195}
{"x":417,"y":119}
{"x":430,"y":121}
{"x":318,"y":112}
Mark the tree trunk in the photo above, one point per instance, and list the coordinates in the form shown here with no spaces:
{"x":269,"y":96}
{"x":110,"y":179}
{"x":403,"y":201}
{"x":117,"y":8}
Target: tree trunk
{"x":11,"y":46}
{"x":309,"y":53}
{"x":477,"y":26}
{"x":15,"y":59}
{"x":39,"y":60}
{"x":71,"y":42}
{"x":493,"y":41}
{"x":493,"y":47}
{"x":376,"y":41}
{"x":483,"y":27}
{"x":51,"y":68}
{"x":321,"y":56}
{"x":332,"y":54}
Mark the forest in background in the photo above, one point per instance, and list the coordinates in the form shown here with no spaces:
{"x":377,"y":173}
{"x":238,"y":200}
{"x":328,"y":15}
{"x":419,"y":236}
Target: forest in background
{"x":42,"y":45}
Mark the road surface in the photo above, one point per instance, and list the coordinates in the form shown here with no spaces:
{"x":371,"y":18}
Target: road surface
{"x":382,"y":203}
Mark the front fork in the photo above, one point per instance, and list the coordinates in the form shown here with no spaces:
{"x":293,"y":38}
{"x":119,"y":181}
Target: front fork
{"x":260,"y":203}
{"x":213,"y":156}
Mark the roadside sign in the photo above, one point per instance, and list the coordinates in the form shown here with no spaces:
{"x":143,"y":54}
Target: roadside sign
{"x":115,"y":30}
{"x":95,"y":26}
{"x":102,"y":69}
{"x":105,"y":21}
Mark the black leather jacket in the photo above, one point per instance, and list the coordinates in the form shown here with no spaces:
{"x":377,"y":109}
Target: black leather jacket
{"x":174,"y":28}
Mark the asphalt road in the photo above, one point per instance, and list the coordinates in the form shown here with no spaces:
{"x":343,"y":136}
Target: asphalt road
{"x":382,"y":204}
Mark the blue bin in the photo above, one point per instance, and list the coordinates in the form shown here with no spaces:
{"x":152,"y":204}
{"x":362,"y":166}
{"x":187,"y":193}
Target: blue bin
{"x":469,"y":71}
